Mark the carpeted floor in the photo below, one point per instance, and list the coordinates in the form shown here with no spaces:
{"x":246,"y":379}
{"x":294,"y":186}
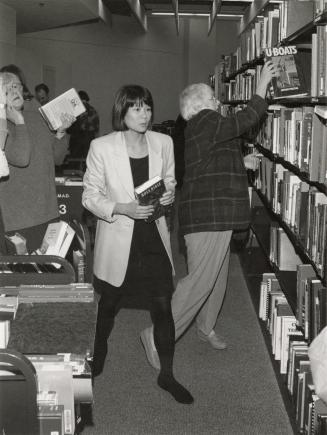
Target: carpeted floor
{"x":235,"y":390}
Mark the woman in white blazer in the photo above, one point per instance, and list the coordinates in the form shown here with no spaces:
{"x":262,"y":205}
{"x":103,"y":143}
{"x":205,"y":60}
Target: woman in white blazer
{"x":132,"y":256}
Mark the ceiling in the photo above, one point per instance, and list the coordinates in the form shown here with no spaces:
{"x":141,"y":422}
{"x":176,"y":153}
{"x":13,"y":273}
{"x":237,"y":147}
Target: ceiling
{"x":36,"y":15}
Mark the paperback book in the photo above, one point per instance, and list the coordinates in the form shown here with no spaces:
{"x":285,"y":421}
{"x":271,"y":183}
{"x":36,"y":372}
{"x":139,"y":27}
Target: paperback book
{"x":67,"y":103}
{"x":294,"y":79}
{"x":149,"y":193}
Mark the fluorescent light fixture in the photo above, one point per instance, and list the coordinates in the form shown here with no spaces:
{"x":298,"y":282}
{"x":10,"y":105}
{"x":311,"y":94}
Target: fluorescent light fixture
{"x":195,"y":14}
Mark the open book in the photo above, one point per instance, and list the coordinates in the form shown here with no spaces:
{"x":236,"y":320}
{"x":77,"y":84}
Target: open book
{"x":295,"y":70}
{"x":67,"y":103}
{"x":149,"y":193}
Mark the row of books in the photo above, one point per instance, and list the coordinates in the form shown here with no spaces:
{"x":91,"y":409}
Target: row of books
{"x":299,"y":135}
{"x":275,"y":24}
{"x":290,"y":349}
{"x":302,"y":207}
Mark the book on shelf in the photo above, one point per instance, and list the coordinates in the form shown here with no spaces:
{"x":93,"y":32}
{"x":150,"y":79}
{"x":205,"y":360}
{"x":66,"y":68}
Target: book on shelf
{"x":149,"y":193}
{"x":303,"y":273}
{"x":298,"y":350}
{"x":282,"y":310}
{"x":276,"y":297}
{"x":304,"y":378}
{"x":57,"y":239}
{"x":265,"y":287}
{"x":51,"y":419}
{"x":289,"y":332}
{"x":294,"y":78}
{"x":67,"y":103}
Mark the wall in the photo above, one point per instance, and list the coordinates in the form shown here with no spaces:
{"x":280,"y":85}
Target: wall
{"x":7,"y":34}
{"x":100,"y":58}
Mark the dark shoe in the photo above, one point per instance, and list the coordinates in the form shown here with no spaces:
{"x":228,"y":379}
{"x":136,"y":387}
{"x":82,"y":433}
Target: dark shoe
{"x":179,"y":393}
{"x":214,"y":339}
{"x":150,"y":349}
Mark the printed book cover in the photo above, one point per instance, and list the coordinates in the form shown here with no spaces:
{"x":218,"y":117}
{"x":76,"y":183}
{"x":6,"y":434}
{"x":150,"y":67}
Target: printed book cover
{"x":149,"y":193}
{"x":67,"y":103}
{"x":293,"y":63}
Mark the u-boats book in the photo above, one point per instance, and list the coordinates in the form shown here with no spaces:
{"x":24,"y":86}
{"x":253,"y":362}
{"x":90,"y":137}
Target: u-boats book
{"x":293,"y":64}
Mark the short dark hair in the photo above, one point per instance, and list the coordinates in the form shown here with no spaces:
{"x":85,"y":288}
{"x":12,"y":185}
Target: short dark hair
{"x":42,"y":87}
{"x":84,"y":95}
{"x":126,"y":97}
{"x":14,"y":69}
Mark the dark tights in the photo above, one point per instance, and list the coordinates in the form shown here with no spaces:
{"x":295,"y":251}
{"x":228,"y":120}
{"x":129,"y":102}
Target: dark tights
{"x":164,"y":339}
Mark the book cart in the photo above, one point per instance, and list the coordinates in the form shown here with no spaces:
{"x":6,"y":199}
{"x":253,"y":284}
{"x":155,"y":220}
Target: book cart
{"x":45,"y":375}
{"x":284,"y":258}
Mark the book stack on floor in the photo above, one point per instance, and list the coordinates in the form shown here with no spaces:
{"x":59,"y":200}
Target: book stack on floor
{"x":290,"y":336}
{"x":64,"y":381}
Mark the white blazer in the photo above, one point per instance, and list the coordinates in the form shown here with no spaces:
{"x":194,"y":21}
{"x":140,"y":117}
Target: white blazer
{"x":108,"y":180}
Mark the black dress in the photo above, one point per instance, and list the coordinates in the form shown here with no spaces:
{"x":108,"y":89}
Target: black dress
{"x":149,"y":271}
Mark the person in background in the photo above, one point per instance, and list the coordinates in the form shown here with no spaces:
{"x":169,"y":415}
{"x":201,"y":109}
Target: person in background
{"x":28,"y":195}
{"x":132,"y":256}
{"x":84,"y":129}
{"x":214,"y":201}
{"x":42,"y":93}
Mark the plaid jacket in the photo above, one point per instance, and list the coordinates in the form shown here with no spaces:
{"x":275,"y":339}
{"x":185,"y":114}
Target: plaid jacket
{"x":214,"y":195}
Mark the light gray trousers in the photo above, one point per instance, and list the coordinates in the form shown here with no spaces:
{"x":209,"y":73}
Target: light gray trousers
{"x":201,"y":292}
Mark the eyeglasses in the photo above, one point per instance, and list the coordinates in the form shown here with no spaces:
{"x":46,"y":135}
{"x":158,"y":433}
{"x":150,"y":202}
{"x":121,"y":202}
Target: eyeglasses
{"x":15,"y":87}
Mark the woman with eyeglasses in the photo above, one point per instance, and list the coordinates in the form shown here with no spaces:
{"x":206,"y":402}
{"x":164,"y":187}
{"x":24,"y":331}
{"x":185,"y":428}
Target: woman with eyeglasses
{"x":28,"y":194}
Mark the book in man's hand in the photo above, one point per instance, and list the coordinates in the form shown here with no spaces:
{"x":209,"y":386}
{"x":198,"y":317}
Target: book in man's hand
{"x":294,"y":66}
{"x":149,"y":193}
{"x":67,"y":103}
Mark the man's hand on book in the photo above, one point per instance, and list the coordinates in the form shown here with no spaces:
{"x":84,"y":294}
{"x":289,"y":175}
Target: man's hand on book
{"x":269,"y":70}
{"x":134,"y":210}
{"x":167,"y":198}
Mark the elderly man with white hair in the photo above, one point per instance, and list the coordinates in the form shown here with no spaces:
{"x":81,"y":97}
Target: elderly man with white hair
{"x":214,"y":202}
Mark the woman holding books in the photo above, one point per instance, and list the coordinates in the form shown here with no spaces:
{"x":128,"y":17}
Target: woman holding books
{"x":132,"y":256}
{"x":28,"y":196}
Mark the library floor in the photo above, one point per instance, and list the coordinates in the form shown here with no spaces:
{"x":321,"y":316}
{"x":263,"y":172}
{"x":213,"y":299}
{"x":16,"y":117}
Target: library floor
{"x":235,"y":390}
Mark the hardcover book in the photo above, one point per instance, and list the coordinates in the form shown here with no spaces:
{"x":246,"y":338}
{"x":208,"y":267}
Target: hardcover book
{"x":149,"y":193}
{"x":67,"y":103}
{"x":294,"y":79}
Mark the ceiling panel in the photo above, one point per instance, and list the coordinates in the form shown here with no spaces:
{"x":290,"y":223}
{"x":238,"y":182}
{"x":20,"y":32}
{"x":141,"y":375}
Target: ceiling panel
{"x":35,"y":15}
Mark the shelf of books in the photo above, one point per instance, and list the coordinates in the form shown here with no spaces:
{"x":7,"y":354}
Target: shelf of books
{"x":285,"y":258}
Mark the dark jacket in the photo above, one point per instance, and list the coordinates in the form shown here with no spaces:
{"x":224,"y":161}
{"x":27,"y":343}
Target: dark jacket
{"x":214,"y":195}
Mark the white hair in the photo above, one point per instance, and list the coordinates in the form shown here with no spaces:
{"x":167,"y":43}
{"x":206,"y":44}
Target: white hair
{"x":193,"y":99}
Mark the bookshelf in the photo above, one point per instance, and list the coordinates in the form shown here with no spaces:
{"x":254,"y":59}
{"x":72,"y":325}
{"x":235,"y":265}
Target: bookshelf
{"x":288,"y":231}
